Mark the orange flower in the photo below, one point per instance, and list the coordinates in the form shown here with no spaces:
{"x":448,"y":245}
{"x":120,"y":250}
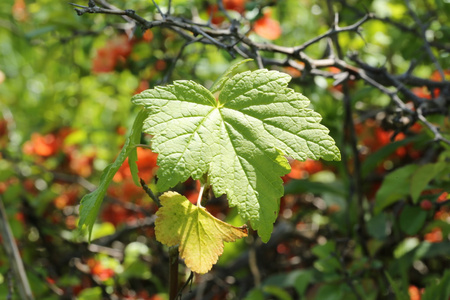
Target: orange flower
{"x":301,"y":169}
{"x":81,"y":164}
{"x":147,"y":36}
{"x":42,"y":145}
{"x":146,"y":163}
{"x":236,"y":5}
{"x":421,"y":92}
{"x":267,"y":27}
{"x":19,"y":10}
{"x":442,"y":197}
{"x":292,"y":71}
{"x":143,"y":85}
{"x":99,"y":270}
{"x":160,"y":65}
{"x":116,"y":49}
{"x":104,"y":61}
{"x":68,"y":197}
{"x":414,"y":293}
{"x":435,"y":236}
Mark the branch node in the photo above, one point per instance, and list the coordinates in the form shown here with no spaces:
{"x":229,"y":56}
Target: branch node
{"x":80,"y":12}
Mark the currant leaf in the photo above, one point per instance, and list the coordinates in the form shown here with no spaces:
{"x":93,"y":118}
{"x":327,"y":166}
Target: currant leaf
{"x":239,"y":140}
{"x":200,"y":235}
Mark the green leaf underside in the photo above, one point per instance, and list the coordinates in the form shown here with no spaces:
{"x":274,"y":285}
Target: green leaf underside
{"x":90,"y":204}
{"x":240,"y":140}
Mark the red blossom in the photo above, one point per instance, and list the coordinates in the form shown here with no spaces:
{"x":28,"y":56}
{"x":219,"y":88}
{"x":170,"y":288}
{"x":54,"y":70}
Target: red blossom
{"x":236,"y":5}
{"x":147,"y":36}
{"x":146,"y":164}
{"x":414,"y":293}
{"x":100,"y":271}
{"x":435,"y":236}
{"x":426,"y":205}
{"x":19,"y":10}
{"x":143,"y":85}
{"x":301,"y":169}
{"x":115,"y":50}
{"x":267,"y":27}
{"x":42,"y":145}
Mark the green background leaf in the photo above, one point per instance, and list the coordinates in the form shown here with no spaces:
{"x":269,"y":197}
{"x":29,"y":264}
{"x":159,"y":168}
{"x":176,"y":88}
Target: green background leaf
{"x":90,"y":203}
{"x":394,"y":187}
{"x":412,"y":219}
{"x":422,"y":176}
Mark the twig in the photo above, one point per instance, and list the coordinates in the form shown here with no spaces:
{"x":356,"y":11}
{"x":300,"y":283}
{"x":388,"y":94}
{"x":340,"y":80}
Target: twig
{"x":422,"y":29}
{"x":334,"y":31}
{"x":23,"y":286}
{"x":149,"y":192}
{"x":169,"y":72}
{"x":355,"y":178}
{"x":437,"y":135}
{"x":253,"y":264}
{"x":129,"y":227}
{"x":159,"y":9}
{"x":169,"y":7}
{"x":173,"y":272}
{"x":188,"y":281}
{"x":9,"y":278}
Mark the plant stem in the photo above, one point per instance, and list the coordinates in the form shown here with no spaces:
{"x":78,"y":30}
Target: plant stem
{"x":12,"y":251}
{"x":173,"y":272}
{"x":200,"y":195}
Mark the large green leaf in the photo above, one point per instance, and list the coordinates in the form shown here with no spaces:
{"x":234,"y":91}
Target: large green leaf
{"x":90,"y":204}
{"x":395,"y":186}
{"x":412,"y":219}
{"x":239,"y":139}
{"x":422,"y":176}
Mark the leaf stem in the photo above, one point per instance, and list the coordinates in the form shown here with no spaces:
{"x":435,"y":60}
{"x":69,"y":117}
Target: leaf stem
{"x":200,"y":195}
{"x":149,"y":192}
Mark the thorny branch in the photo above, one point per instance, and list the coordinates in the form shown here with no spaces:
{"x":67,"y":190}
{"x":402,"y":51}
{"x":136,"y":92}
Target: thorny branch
{"x":397,"y":87}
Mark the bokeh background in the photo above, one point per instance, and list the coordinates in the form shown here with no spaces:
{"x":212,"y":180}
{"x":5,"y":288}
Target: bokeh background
{"x":373,"y":226}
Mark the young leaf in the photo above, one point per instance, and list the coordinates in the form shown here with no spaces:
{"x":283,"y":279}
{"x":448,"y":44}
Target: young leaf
{"x":90,"y":204}
{"x":200,"y":236}
{"x":239,"y":139}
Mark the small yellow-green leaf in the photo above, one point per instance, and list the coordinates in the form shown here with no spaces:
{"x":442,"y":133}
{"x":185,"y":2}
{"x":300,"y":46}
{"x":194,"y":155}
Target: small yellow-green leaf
{"x":200,"y":236}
